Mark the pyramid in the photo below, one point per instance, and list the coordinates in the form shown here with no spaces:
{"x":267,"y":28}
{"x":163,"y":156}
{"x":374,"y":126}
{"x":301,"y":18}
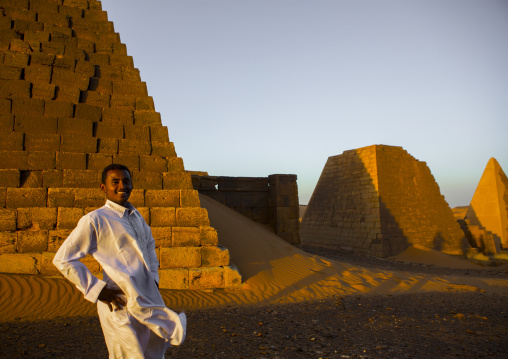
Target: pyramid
{"x":72,"y":102}
{"x":488,"y":210}
{"x":378,"y":200}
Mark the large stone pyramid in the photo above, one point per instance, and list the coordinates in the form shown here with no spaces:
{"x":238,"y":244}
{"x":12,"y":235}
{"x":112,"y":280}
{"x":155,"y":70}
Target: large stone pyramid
{"x":72,"y":102}
{"x":378,"y":200}
{"x":488,"y":210}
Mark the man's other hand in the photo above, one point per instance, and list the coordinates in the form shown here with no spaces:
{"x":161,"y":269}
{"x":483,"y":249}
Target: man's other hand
{"x":112,"y":297}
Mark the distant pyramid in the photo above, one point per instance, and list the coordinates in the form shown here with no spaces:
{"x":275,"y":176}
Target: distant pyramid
{"x":488,"y":210}
{"x":378,"y":200}
{"x":72,"y":102}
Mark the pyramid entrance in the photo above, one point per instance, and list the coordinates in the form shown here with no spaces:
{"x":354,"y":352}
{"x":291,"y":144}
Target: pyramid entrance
{"x":71,"y":103}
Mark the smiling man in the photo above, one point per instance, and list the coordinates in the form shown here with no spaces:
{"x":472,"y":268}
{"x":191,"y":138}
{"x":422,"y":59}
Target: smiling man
{"x":134,"y":318}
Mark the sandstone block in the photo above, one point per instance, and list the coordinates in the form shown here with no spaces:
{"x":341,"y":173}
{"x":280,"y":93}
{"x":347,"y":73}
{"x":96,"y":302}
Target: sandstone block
{"x":129,"y":160}
{"x":152,"y":164}
{"x":162,"y":236}
{"x":60,"y":197}
{"x":75,"y":126}
{"x":206,"y":278}
{"x":6,"y":119}
{"x":14,"y":89}
{"x":56,"y":238}
{"x":147,"y":180}
{"x":78,"y":144}
{"x":36,"y":218}
{"x":32,"y":241}
{"x":70,"y":160}
{"x":41,"y":160}
{"x":40,"y":58}
{"x":137,"y":198}
{"x":9,"y":178}
{"x":35,"y":124}
{"x":108,"y":146}
{"x":88,"y":197}
{"x":81,"y":178}
{"x":43,"y":91}
{"x":67,"y":93}
{"x":8,"y":219}
{"x":177,"y":278}
{"x":163,"y":217}
{"x":192,"y":217}
{"x":99,"y":59}
{"x":189,"y":198}
{"x":98,"y":161}
{"x":145,"y":213}
{"x":46,"y":265}
{"x":26,"y":197}
{"x":142,"y":103}
{"x":123,"y":102}
{"x":134,"y":147}
{"x":52,"y":178}
{"x":136,"y":89}
{"x":8,"y":242}
{"x":10,"y":73}
{"x":18,"y":263}
{"x":214,"y":256}
{"x":38,"y":73}
{"x":162,"y":198}
{"x":180,"y":257}
{"x":232,"y":276}
{"x":175,"y":164}
{"x":30,"y":179}
{"x":147,"y":118}
{"x":88,"y":112}
{"x":176,"y":180}
{"x":68,"y":218}
{"x":165,"y":149}
{"x":208,"y":236}
{"x":109,"y":130}
{"x":109,"y":72}
{"x":137,"y":132}
{"x":59,"y":109}
{"x":124,"y":62}
{"x":16,"y":59}
{"x":159,"y":133}
{"x":93,"y":98}
{"x":186,"y":237}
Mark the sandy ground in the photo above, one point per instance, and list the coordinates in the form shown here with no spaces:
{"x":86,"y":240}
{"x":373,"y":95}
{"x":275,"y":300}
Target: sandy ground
{"x":294,"y":302}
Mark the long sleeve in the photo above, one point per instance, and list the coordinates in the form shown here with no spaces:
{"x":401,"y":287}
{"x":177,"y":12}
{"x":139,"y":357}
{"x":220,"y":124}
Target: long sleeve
{"x":81,"y":241}
{"x":153,"y":261}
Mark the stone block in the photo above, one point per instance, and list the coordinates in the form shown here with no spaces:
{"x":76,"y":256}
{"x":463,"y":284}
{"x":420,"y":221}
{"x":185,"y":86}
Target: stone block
{"x":67,"y":94}
{"x":93,"y":98}
{"x":38,"y":73}
{"x":177,"y":278}
{"x":32,"y":241}
{"x":109,"y":130}
{"x":69,"y":160}
{"x":43,"y":91}
{"x":41,"y":160}
{"x":117,"y":115}
{"x":68,"y":218}
{"x":109,"y":72}
{"x":162,"y":216}
{"x":46,"y":265}
{"x":134,"y":147}
{"x":41,"y":58}
{"x":75,"y":126}
{"x":52,"y":178}
{"x":35,"y":124}
{"x":137,"y":198}
{"x":232,"y":276}
{"x":186,"y":237}
{"x":16,"y":59}
{"x":142,"y":103}
{"x":129,"y":160}
{"x":208,"y":236}
{"x":192,"y":217}
{"x":162,"y":236}
{"x":81,"y":178}
{"x":89,"y":197}
{"x":60,"y":197}
{"x":59,"y":109}
{"x":11,"y":141}
{"x":18,"y":263}
{"x":26,"y":197}
{"x":78,"y":144}
{"x":30,"y":179}
{"x":14,"y":89}
{"x":176,"y":180}
{"x":189,"y":198}
{"x":6,"y":121}
{"x":152,"y":164}
{"x":214,"y":256}
{"x":88,"y":112}
{"x":28,"y":106}
{"x":165,"y":149}
{"x":159,"y":133}
{"x":98,"y":161}
{"x":100,"y":85}
{"x":109,"y":146}
{"x":175,"y":164}
{"x":8,"y":242}
{"x":9,"y":178}
{"x":147,"y":180}
{"x":206,"y":278}
{"x":145,"y":213}
{"x":136,"y":89}
{"x":124,"y":62}
{"x":99,"y":59}
{"x":56,"y":238}
{"x":147,"y":118}
{"x":123,"y":102}
{"x":36,"y":218}
{"x":10,"y":73}
{"x":136,"y":132}
{"x":162,"y":198}
{"x":180,"y":257}
{"x":8,"y":219}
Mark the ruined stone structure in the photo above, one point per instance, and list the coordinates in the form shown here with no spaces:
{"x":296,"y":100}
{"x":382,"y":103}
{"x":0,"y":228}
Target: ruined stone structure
{"x":72,"y":102}
{"x":378,"y":200}
{"x":487,"y":214}
{"x":271,"y":200}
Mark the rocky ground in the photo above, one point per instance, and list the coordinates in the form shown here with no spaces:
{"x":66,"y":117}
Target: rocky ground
{"x":423,"y":325}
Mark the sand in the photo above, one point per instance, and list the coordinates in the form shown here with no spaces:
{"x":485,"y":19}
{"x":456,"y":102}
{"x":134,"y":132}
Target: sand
{"x":273,"y":272}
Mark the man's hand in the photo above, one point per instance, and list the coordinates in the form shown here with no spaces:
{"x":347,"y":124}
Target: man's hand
{"x":111,"y":297}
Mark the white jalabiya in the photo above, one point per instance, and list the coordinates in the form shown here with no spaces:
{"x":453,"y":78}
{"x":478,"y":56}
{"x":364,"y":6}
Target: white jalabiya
{"x":121,"y":241}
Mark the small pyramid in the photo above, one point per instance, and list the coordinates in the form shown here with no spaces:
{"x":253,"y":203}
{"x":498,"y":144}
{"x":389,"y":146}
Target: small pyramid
{"x":72,"y":102}
{"x":378,"y":200}
{"x":488,"y":210}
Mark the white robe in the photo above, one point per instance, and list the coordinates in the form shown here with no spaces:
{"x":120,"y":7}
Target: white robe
{"x":121,"y":241}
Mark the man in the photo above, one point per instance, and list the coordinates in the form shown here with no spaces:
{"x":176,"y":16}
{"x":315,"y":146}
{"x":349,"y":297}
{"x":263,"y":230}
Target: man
{"x":133,"y":316}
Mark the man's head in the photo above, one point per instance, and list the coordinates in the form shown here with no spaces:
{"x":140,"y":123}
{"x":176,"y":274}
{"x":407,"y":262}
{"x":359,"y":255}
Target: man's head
{"x":116,"y":183}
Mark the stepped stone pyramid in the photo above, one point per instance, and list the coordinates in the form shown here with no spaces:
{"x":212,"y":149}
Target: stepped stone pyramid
{"x":72,"y":102}
{"x":378,"y":200}
{"x":487,"y":214}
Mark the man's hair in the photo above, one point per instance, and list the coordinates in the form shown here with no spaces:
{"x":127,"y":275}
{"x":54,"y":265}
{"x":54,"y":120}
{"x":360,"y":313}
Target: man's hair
{"x":114,"y":166}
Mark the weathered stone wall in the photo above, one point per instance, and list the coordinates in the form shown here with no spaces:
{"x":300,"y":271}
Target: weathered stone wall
{"x":72,"y":102}
{"x":378,"y":200}
{"x":271,"y":200}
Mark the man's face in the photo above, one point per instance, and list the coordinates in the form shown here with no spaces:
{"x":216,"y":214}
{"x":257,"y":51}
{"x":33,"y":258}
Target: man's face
{"x":118,"y":186}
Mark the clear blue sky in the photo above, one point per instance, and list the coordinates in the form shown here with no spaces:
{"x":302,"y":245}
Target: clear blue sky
{"x":257,"y":87}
